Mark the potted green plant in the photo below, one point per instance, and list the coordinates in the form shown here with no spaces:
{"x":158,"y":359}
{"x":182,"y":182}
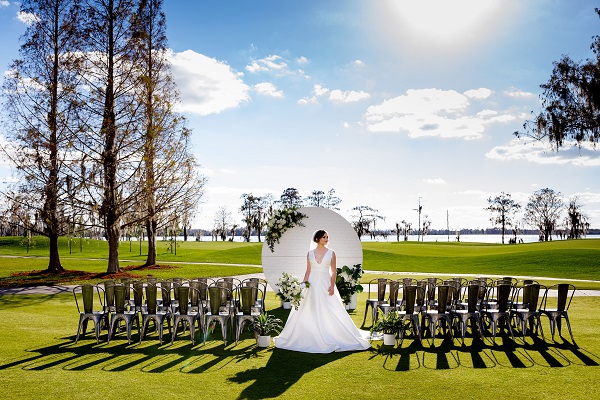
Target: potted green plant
{"x":348,"y":284}
{"x":262,"y":325}
{"x":389,"y":324}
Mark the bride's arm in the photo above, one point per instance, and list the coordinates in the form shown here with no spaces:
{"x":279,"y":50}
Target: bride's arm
{"x":307,"y":273}
{"x":333,"y":274}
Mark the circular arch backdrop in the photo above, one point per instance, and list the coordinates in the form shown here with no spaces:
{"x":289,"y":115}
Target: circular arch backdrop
{"x":289,"y":254}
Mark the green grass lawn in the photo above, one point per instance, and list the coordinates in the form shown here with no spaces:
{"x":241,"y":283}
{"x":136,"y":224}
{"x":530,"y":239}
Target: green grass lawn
{"x":39,"y":359}
{"x":566,"y":260}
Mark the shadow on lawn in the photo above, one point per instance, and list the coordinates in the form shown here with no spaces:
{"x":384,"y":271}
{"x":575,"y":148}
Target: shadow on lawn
{"x":482,"y":354}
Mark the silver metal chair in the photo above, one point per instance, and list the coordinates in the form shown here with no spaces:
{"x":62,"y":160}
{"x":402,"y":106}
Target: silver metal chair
{"x":249,"y":307}
{"x":412,"y":310}
{"x":182,"y":315}
{"x":560,"y":310}
{"x":500,"y":315}
{"x":220,"y":310}
{"x":85,"y":294}
{"x":375,"y":302}
{"x":122,"y":314}
{"x":471,"y":313}
{"x":439,"y":311}
{"x":152,"y":313}
{"x":531,"y":312}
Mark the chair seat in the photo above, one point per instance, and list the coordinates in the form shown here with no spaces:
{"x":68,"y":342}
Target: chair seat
{"x":158,"y":318}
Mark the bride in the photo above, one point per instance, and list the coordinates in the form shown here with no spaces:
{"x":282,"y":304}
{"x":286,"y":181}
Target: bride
{"x":321,"y":323}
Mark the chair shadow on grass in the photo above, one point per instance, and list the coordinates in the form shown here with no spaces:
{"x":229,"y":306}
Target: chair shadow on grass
{"x":481,"y":354}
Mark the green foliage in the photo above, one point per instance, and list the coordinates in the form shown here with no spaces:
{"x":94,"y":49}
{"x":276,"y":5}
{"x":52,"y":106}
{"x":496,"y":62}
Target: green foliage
{"x":390,"y":323}
{"x":265,"y":323}
{"x":347,"y":281}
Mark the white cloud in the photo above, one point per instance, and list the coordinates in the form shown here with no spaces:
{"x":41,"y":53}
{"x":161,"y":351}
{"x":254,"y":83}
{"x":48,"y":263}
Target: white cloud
{"x":350,"y":96}
{"x":433,"y":112}
{"x":435,"y":181}
{"x":540,"y":153}
{"x":481,"y":93}
{"x":27,"y":18}
{"x":518,"y":93}
{"x":268,"y":64}
{"x":335,"y":96}
{"x":268,"y":89}
{"x":207,"y":86}
{"x":4,"y":3}
{"x":302,"y":60}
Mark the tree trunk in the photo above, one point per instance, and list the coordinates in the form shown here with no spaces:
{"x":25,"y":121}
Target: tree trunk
{"x":151,"y":233}
{"x":113,"y":233}
{"x":54,"y":265}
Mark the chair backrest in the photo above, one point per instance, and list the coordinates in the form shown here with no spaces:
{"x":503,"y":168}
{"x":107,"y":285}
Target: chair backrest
{"x":183,"y":294}
{"x":421,"y":293}
{"x":165,"y":287}
{"x":473,"y":297}
{"x":248,"y":295}
{"x":431,"y":285}
{"x":563,"y":295}
{"x":109,"y":292}
{"x":151,"y":280}
{"x":138,"y":295}
{"x":445,"y":294}
{"x":381,"y":284}
{"x":87,"y":292}
{"x":176,"y":282}
{"x":503,"y":292}
{"x":119,"y":298}
{"x":151,"y":298}
{"x":533,"y":296}
{"x":214,"y":297}
{"x":393,"y":297}
{"x":126,"y":283}
{"x":410,"y":295}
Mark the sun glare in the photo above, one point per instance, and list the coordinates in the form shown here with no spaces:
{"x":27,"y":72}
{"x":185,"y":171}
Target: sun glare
{"x":444,"y":21}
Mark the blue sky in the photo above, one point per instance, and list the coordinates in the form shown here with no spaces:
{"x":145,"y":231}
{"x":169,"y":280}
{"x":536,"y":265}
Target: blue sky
{"x":387,"y":101}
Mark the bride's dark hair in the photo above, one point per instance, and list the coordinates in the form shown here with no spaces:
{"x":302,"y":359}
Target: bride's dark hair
{"x":318,"y":235}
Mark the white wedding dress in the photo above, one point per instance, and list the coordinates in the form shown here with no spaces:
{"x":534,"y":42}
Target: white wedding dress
{"x":321,"y":323}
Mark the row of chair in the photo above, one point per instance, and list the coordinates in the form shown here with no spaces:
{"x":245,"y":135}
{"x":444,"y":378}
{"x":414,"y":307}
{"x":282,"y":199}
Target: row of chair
{"x":488,"y":304}
{"x":203,"y":302}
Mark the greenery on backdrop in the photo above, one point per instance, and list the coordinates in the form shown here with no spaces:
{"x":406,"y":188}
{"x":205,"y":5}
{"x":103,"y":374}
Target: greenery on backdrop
{"x":281,"y":221}
{"x":348,"y":281}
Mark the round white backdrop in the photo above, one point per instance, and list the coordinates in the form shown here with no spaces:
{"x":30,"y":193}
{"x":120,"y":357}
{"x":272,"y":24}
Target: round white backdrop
{"x":289,"y":254}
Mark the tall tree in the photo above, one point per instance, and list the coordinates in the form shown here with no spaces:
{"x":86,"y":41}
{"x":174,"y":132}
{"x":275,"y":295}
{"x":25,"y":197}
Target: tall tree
{"x":363,"y":217}
{"x":502,"y":209}
{"x":576,"y":222}
{"x":222,"y":223}
{"x":169,"y":174}
{"x":331,"y":200}
{"x":316,"y":199}
{"x":42,"y":115}
{"x":543,"y":211}
{"x":111,"y":141}
{"x":290,"y":198}
{"x":570,"y":101}
{"x":319,"y":198}
{"x":251,"y":211}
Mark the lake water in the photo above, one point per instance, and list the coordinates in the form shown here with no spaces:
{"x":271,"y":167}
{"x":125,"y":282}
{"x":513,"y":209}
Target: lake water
{"x":427,"y":238}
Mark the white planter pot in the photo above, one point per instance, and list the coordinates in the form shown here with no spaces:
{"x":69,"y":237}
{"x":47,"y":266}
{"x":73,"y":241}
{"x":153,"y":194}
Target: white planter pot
{"x":286,"y":305}
{"x":263,"y":341}
{"x":352,"y":304}
{"x":389,"y":339}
